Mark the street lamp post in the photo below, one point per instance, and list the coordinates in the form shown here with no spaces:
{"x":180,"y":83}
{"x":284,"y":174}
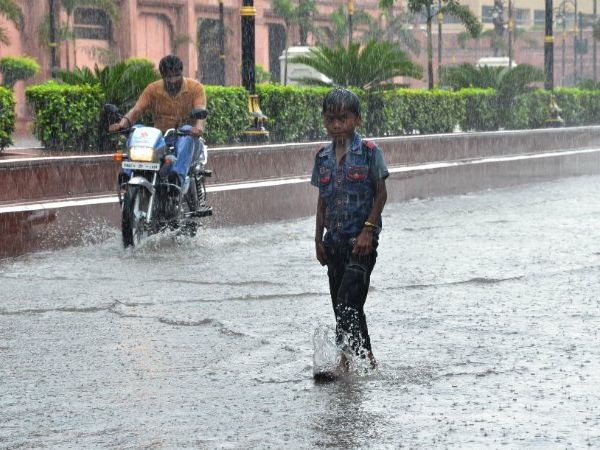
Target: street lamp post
{"x":561,"y":20}
{"x":221,"y":43}
{"x":575,"y":44}
{"x":256,"y":131}
{"x":52,"y":38}
{"x":594,"y":45}
{"x":549,"y":48}
{"x":248,"y":13}
{"x":440,"y":21}
{"x":554,"y":119}
{"x":498,"y":21}
{"x":510,"y":26}
{"x":580,"y":46}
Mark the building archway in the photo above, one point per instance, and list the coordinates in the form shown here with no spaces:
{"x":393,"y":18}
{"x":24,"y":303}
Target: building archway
{"x":156,"y":36}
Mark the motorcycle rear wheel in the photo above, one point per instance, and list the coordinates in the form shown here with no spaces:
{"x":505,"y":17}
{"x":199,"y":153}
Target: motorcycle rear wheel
{"x":135,"y":210}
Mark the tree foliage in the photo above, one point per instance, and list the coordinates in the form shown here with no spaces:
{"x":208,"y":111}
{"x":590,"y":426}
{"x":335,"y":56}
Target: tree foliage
{"x":398,"y":29}
{"x":338,"y":33}
{"x":15,"y":68}
{"x":507,"y":82}
{"x":300,"y":14}
{"x":7,"y":117}
{"x":10,"y":10}
{"x":369,"y":66}
{"x":428,"y":8}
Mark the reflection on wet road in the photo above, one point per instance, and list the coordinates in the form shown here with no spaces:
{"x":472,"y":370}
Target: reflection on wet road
{"x":484,"y":315}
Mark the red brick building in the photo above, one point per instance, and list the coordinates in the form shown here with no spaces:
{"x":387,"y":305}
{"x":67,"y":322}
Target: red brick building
{"x":189,"y":28}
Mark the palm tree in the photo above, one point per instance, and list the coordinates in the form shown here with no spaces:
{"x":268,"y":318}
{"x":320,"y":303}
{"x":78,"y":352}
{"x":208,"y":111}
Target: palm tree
{"x":10,"y":10}
{"x":497,"y":41}
{"x":367,"y":67}
{"x":69,"y":6}
{"x":398,"y":29}
{"x":338,"y":33}
{"x":507,"y":82}
{"x":293,"y":14}
{"x":450,"y":7}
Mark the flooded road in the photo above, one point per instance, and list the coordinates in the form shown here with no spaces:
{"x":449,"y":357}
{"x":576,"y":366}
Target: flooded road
{"x":484,"y":314}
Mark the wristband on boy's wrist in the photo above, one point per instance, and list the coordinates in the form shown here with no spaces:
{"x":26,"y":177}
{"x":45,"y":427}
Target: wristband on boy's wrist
{"x":370,"y":225}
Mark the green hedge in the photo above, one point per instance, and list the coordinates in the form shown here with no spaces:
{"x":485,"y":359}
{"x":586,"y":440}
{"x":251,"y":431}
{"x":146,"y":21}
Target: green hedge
{"x":414,"y":111}
{"x":15,"y":68}
{"x":578,"y":107}
{"x":7,"y":117}
{"x":66,"y":116}
{"x":481,"y":112}
{"x":293,"y":114}
{"x":227,"y":114}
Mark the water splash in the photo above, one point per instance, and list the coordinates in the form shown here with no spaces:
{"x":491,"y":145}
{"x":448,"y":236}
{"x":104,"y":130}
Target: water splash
{"x":326,"y":352}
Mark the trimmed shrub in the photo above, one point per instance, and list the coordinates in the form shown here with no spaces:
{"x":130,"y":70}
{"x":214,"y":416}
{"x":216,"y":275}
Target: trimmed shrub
{"x":293,"y":113}
{"x":227,"y":114}
{"x":570,"y":103}
{"x":481,"y":111}
{"x":7,"y":117}
{"x":66,"y":116}
{"x":15,"y":68}
{"x":590,"y":105}
{"x":416,"y":111}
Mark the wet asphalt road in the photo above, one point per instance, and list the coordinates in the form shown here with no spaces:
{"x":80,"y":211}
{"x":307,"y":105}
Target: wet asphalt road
{"x":484,"y":315}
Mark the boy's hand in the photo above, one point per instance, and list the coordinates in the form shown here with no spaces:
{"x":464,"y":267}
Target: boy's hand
{"x":321,"y":253}
{"x":364,"y":243}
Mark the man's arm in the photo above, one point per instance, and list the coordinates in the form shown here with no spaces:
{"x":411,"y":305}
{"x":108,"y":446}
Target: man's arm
{"x":199,"y":102}
{"x":133,"y":114}
{"x":319,"y":228}
{"x":364,"y":242}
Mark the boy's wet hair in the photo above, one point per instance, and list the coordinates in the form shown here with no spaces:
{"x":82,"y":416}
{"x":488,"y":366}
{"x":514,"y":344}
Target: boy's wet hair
{"x":170,"y":64}
{"x":341,"y":100}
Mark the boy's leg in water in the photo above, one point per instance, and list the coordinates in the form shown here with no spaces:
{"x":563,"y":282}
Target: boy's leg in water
{"x":349,"y":278}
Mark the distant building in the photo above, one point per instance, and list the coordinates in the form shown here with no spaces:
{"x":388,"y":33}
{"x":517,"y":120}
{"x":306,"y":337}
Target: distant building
{"x":189,"y":28}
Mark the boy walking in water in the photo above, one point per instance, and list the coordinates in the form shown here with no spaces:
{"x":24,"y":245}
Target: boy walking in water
{"x":350,"y":173}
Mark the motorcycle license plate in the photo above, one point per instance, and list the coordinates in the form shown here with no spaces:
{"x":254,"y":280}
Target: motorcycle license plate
{"x":134,"y":165}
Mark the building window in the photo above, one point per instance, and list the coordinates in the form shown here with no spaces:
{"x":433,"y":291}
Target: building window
{"x":522,"y":17}
{"x":539,"y":17}
{"x":91,"y":23}
{"x":486,"y":14}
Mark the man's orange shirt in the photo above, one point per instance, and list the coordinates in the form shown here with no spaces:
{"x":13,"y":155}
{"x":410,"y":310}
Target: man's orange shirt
{"x":169,"y":112}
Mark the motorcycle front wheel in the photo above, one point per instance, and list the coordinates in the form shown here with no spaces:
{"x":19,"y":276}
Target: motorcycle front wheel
{"x":133,"y":214}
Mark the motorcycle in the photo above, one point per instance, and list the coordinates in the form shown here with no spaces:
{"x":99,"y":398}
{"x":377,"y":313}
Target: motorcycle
{"x":151,"y":198}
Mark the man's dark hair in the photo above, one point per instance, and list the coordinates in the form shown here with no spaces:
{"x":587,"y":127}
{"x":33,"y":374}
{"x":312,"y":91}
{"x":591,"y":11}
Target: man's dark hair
{"x":170,"y":64}
{"x":341,"y":100}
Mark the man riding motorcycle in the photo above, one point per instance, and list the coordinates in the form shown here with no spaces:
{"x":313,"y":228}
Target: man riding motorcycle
{"x":170,"y":101}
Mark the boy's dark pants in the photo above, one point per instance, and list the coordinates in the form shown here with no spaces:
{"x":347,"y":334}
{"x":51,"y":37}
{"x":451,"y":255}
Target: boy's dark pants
{"x":349,"y":278}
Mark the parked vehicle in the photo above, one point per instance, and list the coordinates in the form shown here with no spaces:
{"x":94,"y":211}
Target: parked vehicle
{"x":151,"y":199}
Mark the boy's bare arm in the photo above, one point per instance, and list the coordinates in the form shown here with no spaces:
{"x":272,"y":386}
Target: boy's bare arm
{"x":364,"y":242}
{"x":319,"y":228}
{"x":378,"y":201}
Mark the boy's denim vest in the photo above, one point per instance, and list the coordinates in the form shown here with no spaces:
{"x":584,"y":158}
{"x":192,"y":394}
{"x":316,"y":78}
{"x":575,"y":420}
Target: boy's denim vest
{"x":348,"y":190}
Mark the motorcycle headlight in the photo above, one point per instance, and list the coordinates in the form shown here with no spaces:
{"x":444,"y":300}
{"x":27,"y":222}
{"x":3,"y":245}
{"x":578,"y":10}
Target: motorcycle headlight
{"x":145,"y":154}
